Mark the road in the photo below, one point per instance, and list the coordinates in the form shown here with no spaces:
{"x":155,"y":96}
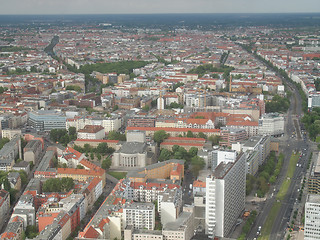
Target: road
{"x":289,"y":142}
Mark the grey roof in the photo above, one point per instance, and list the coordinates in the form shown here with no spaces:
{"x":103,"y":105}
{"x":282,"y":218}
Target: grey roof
{"x":252,"y":141}
{"x":21,"y":164}
{"x":31,"y":145}
{"x":313,"y":198}
{"x":133,"y":147}
{"x":179,"y":224}
{"x":45,"y":162}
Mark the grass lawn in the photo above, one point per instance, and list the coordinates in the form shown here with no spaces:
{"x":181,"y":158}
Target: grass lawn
{"x":267,"y":227}
{"x":118,"y":175}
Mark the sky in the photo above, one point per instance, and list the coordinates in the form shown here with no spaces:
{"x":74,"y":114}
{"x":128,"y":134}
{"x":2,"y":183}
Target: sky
{"x":156,"y":6}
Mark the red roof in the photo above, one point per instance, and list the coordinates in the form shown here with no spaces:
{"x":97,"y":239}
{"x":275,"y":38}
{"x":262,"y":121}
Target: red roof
{"x":97,"y":140}
{"x":91,"y":233}
{"x":182,"y":144}
{"x":198,"y":183}
{"x":242,"y":123}
{"x":71,"y":150}
{"x":185,"y":139}
{"x":168,"y":129}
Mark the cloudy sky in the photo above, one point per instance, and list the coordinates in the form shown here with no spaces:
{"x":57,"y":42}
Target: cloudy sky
{"x":156,"y":6}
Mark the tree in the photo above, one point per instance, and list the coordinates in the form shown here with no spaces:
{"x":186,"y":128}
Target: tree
{"x":197,"y":164}
{"x":80,"y":166}
{"x":193,"y":151}
{"x":146,"y":108}
{"x":165,"y":154}
{"x":115,"y":108}
{"x":113,"y":135}
{"x":58,"y":185}
{"x":106,"y":163}
{"x":190,"y":134}
{"x":72,"y":131}
{"x":215,"y":139}
{"x":160,"y":136}
{"x":202,"y":135}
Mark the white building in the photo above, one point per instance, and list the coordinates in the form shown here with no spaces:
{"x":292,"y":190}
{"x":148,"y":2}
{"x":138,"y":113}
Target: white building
{"x":261,"y":144}
{"x":225,"y":197}
{"x":109,"y":124}
{"x":4,"y":204}
{"x":169,"y":205}
{"x":220,"y":155}
{"x":91,"y":132}
{"x":139,"y":215}
{"x":271,"y":124}
{"x":312,"y":217}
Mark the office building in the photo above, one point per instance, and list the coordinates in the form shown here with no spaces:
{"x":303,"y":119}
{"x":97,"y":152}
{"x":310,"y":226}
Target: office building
{"x":225,"y":197}
{"x":312,"y":217}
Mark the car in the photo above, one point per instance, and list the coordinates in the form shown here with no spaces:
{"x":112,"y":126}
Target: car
{"x":259,"y":228}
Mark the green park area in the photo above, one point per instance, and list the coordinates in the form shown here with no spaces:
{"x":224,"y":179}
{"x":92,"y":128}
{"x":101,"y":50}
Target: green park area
{"x":267,"y":227}
{"x":118,"y":175}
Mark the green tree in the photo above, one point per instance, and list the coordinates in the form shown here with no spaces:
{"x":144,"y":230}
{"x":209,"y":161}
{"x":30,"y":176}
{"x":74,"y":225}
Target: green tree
{"x":190,"y":134}
{"x":165,"y":154}
{"x":160,"y":136}
{"x":193,"y":151}
{"x":113,"y":135}
{"x":146,"y":108}
{"x":106,"y":163}
{"x":202,"y":135}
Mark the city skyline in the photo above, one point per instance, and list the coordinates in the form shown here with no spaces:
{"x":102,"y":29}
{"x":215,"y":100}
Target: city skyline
{"x":166,"y":6}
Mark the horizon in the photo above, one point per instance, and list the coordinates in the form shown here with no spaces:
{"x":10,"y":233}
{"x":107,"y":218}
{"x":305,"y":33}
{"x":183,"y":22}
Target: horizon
{"x":62,"y":7}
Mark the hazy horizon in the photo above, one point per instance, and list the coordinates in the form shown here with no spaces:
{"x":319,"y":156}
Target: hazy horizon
{"x":62,"y":7}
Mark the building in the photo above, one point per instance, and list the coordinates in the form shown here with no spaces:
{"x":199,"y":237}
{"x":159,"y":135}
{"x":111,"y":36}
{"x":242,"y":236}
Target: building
{"x":176,"y":132}
{"x":231,"y":136}
{"x":139,"y":215}
{"x":141,"y":121}
{"x":135,"y":152}
{"x":186,"y":143}
{"x":14,"y":180}
{"x":314,"y":178}
{"x":171,"y":169}
{"x":4,"y":204}
{"x":312,"y":217}
{"x":90,"y":170}
{"x":13,"y":230}
{"x":45,"y":120}
{"x":260,"y":144}
{"x":170,"y":205}
{"x":225,"y":197}
{"x":71,"y":157}
{"x":9,"y":153}
{"x":10,"y":133}
{"x":182,"y":228}
{"x":222,"y":155}
{"x":271,"y":124}
{"x":112,"y":123}
{"x":32,"y":151}
{"x":91,"y":132}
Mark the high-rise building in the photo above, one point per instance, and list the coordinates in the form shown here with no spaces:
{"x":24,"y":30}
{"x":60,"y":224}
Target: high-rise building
{"x":312,"y":217}
{"x":225,"y":197}
{"x":271,"y":124}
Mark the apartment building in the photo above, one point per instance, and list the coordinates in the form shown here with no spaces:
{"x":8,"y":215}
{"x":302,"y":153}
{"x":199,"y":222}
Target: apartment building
{"x":271,"y":124}
{"x":4,"y":204}
{"x":139,"y":215}
{"x":312,"y":217}
{"x":225,"y":197}
{"x":314,"y":178}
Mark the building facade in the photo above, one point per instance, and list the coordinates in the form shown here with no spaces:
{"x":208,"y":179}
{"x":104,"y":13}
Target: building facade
{"x":225,"y":197}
